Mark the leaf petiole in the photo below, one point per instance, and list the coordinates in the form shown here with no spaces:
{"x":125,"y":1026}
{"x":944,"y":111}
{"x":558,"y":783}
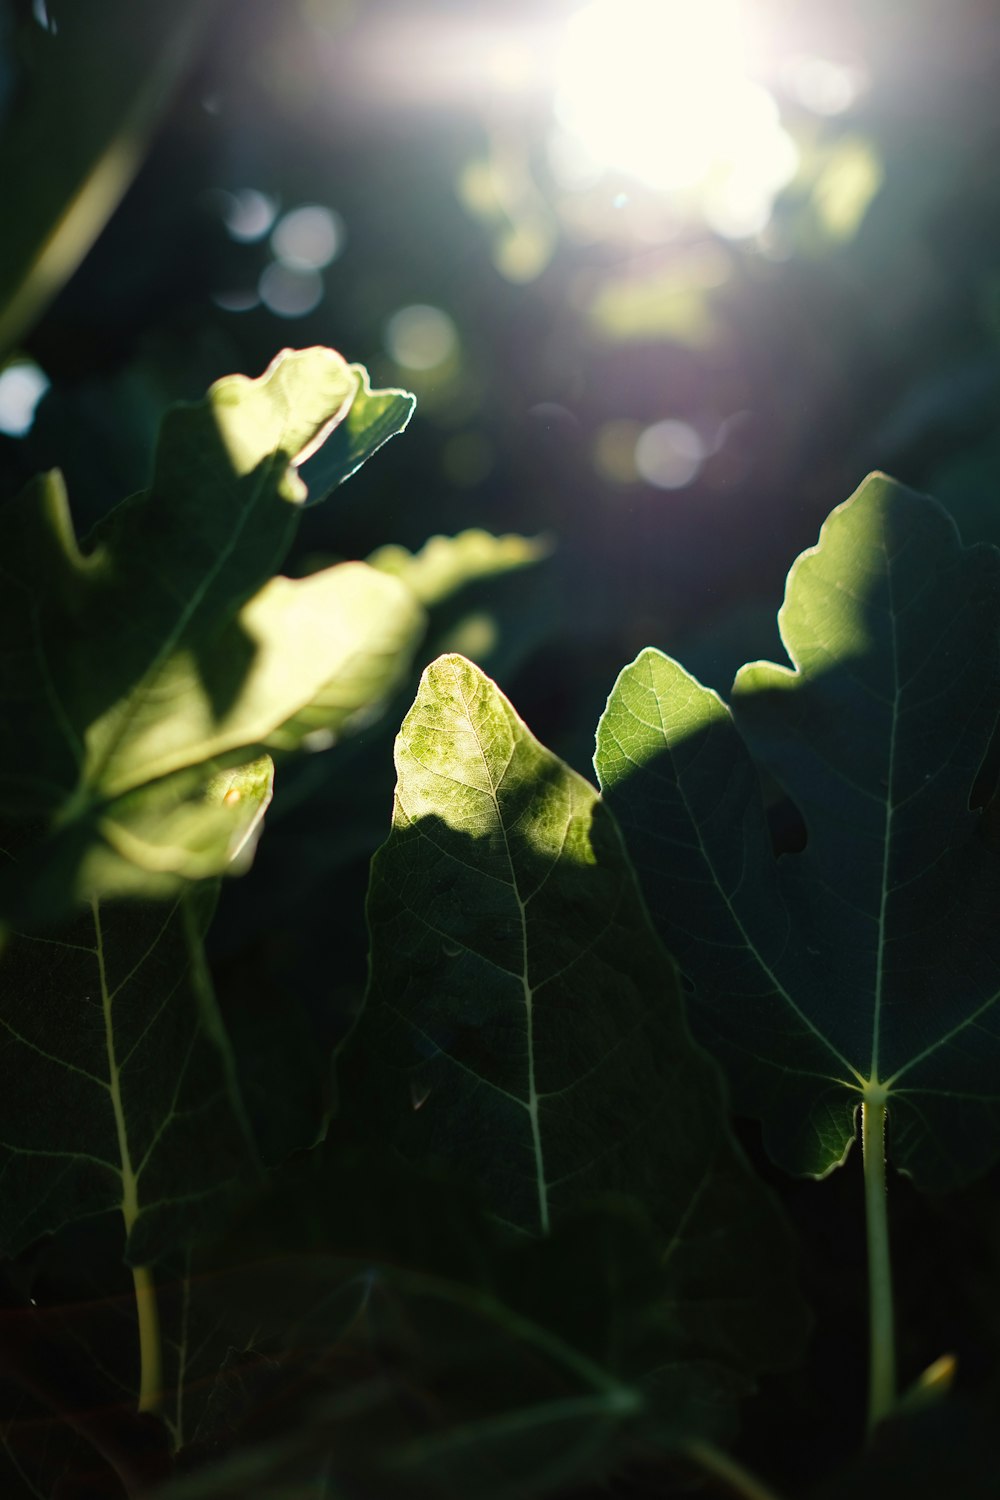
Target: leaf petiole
{"x":150,"y":1349}
{"x":882,"y":1351}
{"x":737,"y":1480}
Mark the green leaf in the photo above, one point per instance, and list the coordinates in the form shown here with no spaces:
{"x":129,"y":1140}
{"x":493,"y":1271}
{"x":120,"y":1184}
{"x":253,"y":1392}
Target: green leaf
{"x":374,"y":418}
{"x":419,"y":1352}
{"x":119,"y":1090}
{"x":523,"y":1023}
{"x":148,"y":843}
{"x":164,"y":653}
{"x":40,"y":1453}
{"x":868,"y":965}
{"x":93,"y":90}
{"x":67,"y":1420}
{"x":446,"y":564}
{"x":350,"y":792}
{"x":359,"y":633}
{"x":330,"y":816}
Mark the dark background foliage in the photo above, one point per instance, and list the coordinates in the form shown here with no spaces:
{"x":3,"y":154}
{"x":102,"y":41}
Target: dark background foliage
{"x":803,"y":355}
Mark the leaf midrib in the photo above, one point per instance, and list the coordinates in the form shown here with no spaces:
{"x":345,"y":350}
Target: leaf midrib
{"x":873,"y":1080}
{"x":541,"y":1186}
{"x":737,"y":920}
{"x":130,"y":1182}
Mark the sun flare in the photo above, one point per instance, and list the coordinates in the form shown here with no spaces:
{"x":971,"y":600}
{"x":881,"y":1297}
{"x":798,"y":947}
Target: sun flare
{"x":664,"y":91}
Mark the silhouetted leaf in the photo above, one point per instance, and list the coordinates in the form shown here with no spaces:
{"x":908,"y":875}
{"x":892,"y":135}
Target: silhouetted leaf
{"x":867,"y":966}
{"x":119,"y":1091}
{"x":394,"y":1338}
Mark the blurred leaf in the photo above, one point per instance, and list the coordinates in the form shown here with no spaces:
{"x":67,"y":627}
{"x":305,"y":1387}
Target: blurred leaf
{"x":866,"y":966}
{"x":968,"y":484}
{"x":94,"y":87}
{"x":412,"y":1350}
{"x":101,"y":431}
{"x":949,"y":1448}
{"x":849,"y":179}
{"x":146,"y":664}
{"x":942,"y":409}
{"x":445,"y":564}
{"x":670,"y":304}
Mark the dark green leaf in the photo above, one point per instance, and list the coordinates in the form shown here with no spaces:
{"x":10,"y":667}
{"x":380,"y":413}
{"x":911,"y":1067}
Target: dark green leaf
{"x":390,"y":1330}
{"x":119,"y":1091}
{"x":868,"y":965}
{"x":446,"y":564}
{"x":40,"y":1453}
{"x":523,"y":1023}
{"x":68,"y":1425}
{"x":374,"y":418}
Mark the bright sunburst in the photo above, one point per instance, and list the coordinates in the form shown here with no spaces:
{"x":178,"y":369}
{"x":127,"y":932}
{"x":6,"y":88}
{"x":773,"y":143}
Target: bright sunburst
{"x":664,"y":90}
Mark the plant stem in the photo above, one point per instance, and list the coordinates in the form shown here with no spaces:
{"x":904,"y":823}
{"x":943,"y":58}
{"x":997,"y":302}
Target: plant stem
{"x":147,"y":1312}
{"x":733,"y":1475}
{"x":882,"y":1348}
{"x":150,"y":1356}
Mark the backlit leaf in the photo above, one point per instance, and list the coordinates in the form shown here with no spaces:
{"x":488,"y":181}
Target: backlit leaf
{"x":139,"y":668}
{"x":523,"y":1023}
{"x":868,"y":965}
{"x":374,"y":417}
{"x":446,"y":564}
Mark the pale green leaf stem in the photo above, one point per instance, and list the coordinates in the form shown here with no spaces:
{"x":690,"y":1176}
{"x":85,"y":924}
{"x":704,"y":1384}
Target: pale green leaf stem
{"x":882,"y":1339}
{"x":147,"y":1315}
{"x":827,"y":977}
{"x":739,"y":1482}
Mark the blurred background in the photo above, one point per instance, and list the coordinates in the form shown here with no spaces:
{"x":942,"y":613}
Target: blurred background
{"x":667,"y":280}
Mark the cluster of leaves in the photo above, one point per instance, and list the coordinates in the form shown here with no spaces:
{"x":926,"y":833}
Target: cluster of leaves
{"x":528,"y":1252}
